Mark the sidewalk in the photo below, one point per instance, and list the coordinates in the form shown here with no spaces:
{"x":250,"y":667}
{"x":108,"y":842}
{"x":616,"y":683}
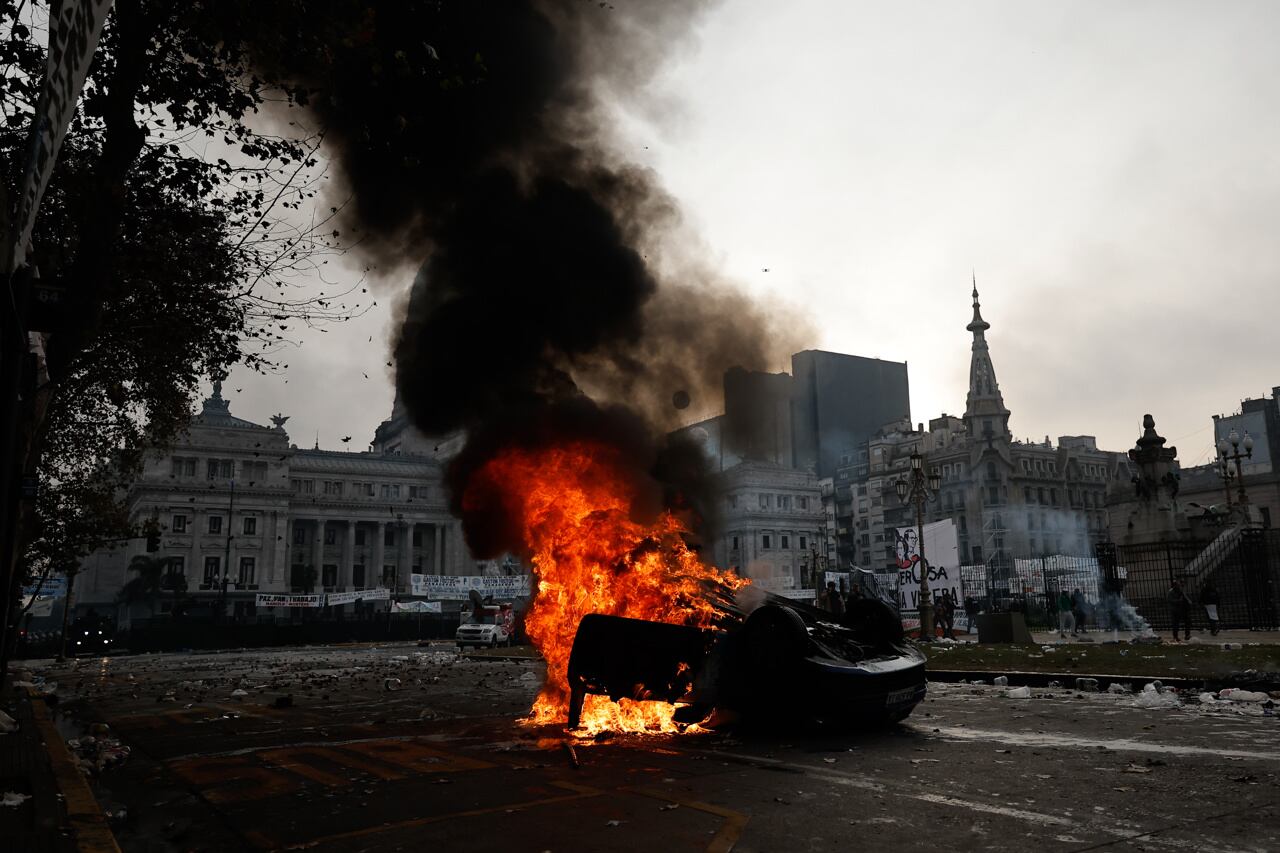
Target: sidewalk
{"x":1235,"y":636}
{"x":57,"y":812}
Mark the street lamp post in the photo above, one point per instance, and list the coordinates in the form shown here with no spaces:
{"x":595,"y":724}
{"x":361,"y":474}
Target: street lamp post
{"x":1228,"y":452}
{"x":919,"y":488}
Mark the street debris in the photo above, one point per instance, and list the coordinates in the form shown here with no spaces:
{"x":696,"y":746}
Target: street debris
{"x":7,"y":723}
{"x":1117,"y":688}
{"x":391,"y":684}
{"x":1019,"y":693}
{"x":1234,"y":694}
{"x":1088,"y":684}
{"x":1154,"y":697}
{"x":95,"y":753}
{"x":1001,"y":681}
{"x":13,"y":798}
{"x":238,"y":693}
{"x":573,"y":756}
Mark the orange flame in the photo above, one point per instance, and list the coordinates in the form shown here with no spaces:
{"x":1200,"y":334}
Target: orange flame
{"x":573,"y":505}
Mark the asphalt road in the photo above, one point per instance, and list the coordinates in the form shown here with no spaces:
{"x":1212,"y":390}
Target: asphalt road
{"x":441,"y":762}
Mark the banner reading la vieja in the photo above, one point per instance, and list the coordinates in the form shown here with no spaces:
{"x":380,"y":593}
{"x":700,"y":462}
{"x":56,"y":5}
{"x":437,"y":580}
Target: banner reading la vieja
{"x":941,"y":553}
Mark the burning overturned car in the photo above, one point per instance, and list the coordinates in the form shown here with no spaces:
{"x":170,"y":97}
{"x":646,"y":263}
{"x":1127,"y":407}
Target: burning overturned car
{"x":779,"y":660}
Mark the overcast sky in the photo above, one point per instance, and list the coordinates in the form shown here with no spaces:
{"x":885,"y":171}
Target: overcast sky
{"x":1110,"y":171}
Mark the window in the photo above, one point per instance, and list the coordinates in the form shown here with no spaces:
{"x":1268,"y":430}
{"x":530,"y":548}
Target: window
{"x":360,"y":535}
{"x":802,"y":502}
{"x":735,"y":543}
{"x":389,"y":537}
{"x":329,"y":575}
{"x":803,"y":546}
{"x":417,"y":536}
{"x":248,"y":569}
{"x":357,"y":576}
{"x":215,"y":524}
{"x":299,"y":534}
{"x":179,"y":524}
{"x":391,"y":490}
{"x":1053,"y":496}
{"x":221,"y":469}
{"x":764,"y":501}
{"x":182,"y":466}
{"x":330,"y":535}
{"x":784,"y":501}
{"x":332,"y":487}
{"x":786,"y":542}
{"x":388,"y":576}
{"x":254,"y":471}
{"x":250,"y":525}
{"x":766,"y":542}
{"x":177,"y":568}
{"x":304,"y":487}
{"x":212,"y":567}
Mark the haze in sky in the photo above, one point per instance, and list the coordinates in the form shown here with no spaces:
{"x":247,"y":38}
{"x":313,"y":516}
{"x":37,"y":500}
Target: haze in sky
{"x":1109,"y":172}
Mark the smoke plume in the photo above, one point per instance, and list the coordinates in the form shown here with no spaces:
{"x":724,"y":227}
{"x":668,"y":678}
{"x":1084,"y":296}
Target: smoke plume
{"x":557,"y":296}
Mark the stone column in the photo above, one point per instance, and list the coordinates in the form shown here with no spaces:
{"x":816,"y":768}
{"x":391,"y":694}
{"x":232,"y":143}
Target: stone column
{"x":195,"y":565}
{"x":317,"y":556}
{"x":437,"y":549}
{"x":406,"y":555}
{"x":379,"y":557}
{"x":348,"y":556}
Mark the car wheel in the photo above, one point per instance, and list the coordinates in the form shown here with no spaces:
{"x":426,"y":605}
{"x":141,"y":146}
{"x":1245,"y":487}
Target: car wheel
{"x":493,"y":644}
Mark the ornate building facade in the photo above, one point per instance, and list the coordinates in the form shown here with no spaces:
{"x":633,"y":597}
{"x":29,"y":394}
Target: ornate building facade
{"x":1009,"y":498}
{"x":244,"y":511}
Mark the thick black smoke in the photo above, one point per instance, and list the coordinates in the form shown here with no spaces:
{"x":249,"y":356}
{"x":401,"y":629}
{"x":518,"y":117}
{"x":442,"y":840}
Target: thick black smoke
{"x":551,"y":301}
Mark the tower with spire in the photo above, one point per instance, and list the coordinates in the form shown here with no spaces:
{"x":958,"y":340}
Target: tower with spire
{"x":985,"y":414}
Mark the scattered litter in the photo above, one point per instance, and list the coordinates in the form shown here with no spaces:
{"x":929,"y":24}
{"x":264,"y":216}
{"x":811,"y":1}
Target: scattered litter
{"x":528,"y":677}
{"x":94,"y":754}
{"x":237,"y":693}
{"x":1019,"y":693}
{"x":1208,"y":699}
{"x":829,"y":760}
{"x":400,"y":658}
{"x":977,"y":681}
{"x":1154,"y":699}
{"x":12,"y":798}
{"x":1089,"y":684}
{"x":1001,"y":681}
{"x":1049,"y":650}
{"x":669,"y":807}
{"x":613,"y":823}
{"x":7,"y":723}
{"x":1233,"y":694}
{"x":1134,"y":768}
{"x":391,"y":684}
{"x":1118,"y":688}
{"x":1053,"y":685}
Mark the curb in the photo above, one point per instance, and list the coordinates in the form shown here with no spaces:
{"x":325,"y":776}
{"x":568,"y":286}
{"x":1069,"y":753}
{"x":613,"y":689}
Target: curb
{"x":1068,"y":679}
{"x":92,"y":835}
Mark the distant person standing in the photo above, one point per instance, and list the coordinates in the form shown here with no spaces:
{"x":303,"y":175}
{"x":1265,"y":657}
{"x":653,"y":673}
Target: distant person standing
{"x":1077,"y":610}
{"x":1179,"y":610}
{"x":1209,"y":600}
{"x":1065,"y":619}
{"x":948,"y":611}
{"x":835,"y":601}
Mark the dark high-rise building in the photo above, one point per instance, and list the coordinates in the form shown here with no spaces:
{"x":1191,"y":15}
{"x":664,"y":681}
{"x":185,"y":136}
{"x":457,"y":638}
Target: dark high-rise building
{"x":839,"y":401}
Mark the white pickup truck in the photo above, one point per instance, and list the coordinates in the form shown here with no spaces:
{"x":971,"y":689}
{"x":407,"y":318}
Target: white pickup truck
{"x":489,"y":626}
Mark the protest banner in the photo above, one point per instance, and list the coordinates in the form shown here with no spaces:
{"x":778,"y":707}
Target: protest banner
{"x":265,"y":599}
{"x":458,"y":587}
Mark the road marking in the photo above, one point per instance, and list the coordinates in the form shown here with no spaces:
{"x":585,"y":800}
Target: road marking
{"x":734,"y":822}
{"x":92,"y":834}
{"x":1075,"y":742}
{"x":580,"y":792}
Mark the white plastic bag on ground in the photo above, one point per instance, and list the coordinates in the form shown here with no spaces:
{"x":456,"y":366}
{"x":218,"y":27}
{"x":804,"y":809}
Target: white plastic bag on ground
{"x":1001,"y":681}
{"x":1019,"y":693}
{"x":1154,"y":700}
{"x":12,"y":798}
{"x":1208,"y":699}
{"x":1118,"y":688}
{"x":1234,"y":694}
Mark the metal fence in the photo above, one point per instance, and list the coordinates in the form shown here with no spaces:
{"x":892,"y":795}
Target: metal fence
{"x":1242,"y":564}
{"x":1121,"y":586}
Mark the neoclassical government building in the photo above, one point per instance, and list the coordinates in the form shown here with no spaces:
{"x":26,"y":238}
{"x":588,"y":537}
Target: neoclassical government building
{"x":239,"y":501}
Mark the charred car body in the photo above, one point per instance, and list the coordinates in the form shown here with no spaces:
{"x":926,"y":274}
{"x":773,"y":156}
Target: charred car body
{"x":779,"y":660}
